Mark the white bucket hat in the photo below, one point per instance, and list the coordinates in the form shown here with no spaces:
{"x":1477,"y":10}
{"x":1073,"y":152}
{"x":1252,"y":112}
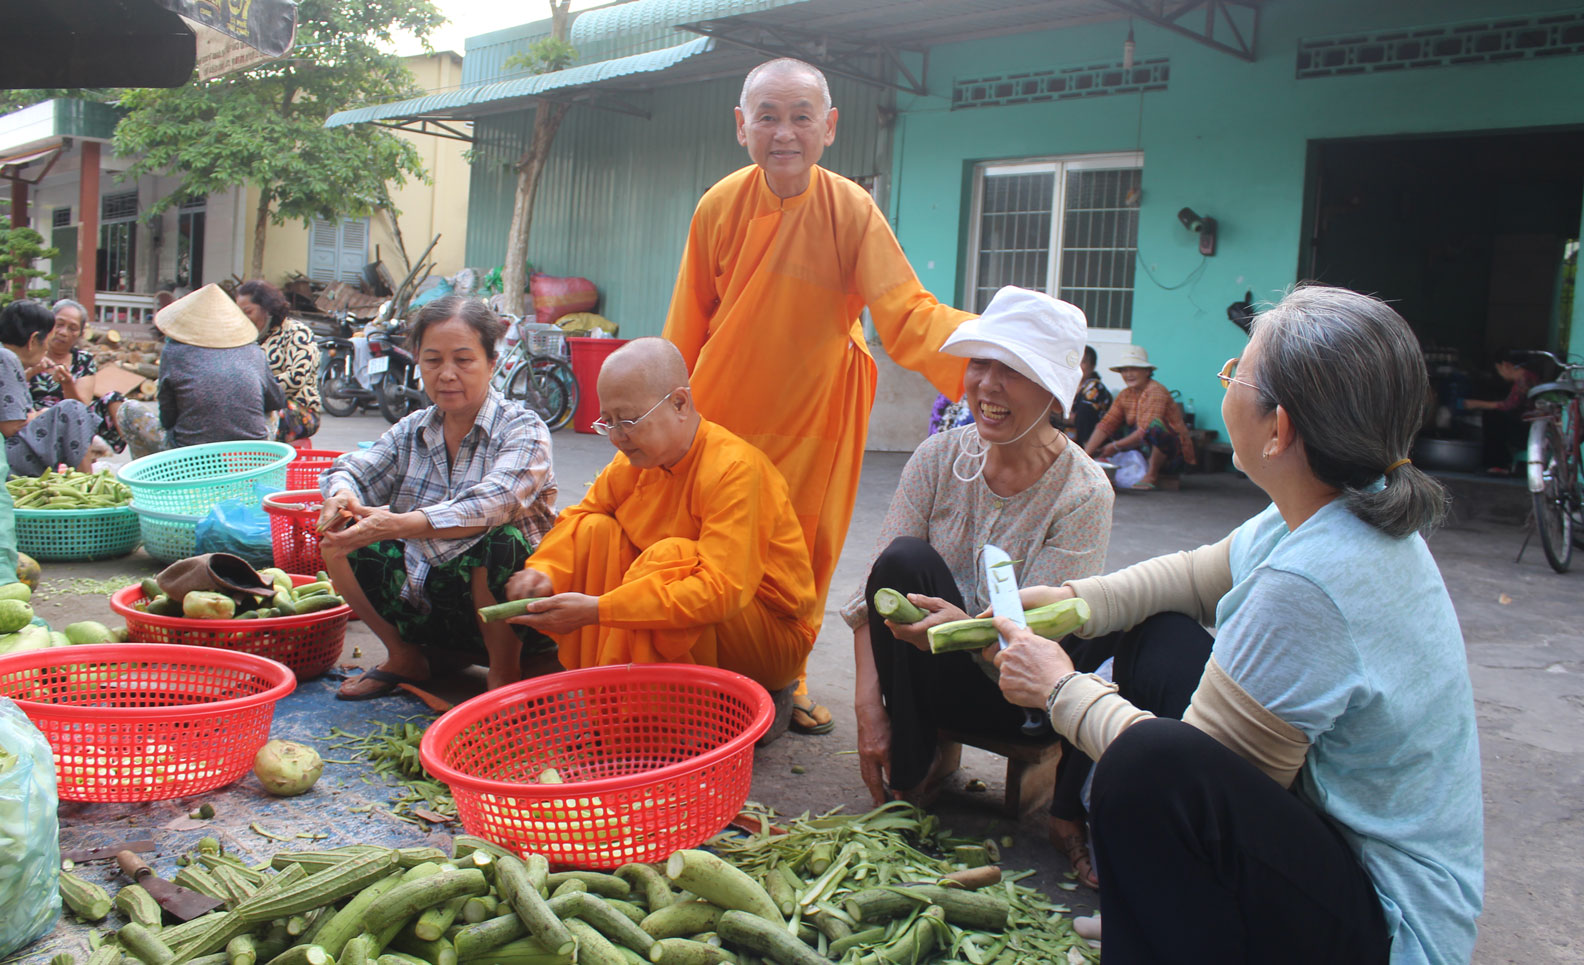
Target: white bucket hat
{"x":207,"y":318}
{"x":1133,"y":357}
{"x":1038,"y":336}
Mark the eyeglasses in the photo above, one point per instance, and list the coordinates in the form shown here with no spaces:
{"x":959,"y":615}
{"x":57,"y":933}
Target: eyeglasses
{"x":1228,"y":375}
{"x":625,"y":426}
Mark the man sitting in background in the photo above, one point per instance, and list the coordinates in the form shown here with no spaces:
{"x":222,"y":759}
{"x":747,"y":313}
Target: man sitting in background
{"x":686,"y":548}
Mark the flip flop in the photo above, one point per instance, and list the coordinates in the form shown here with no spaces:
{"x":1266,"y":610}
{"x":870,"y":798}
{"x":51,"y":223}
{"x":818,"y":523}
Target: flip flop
{"x":1143,"y":487}
{"x":809,"y":717}
{"x":389,"y":682}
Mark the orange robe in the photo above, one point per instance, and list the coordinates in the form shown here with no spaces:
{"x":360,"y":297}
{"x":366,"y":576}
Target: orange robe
{"x":703,"y":563}
{"x":766,"y":313}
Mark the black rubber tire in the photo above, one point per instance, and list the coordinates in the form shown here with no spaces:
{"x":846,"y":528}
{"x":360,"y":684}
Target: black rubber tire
{"x":553,"y":368}
{"x":333,"y":384}
{"x":394,"y":403}
{"x":1552,"y":504}
{"x":543,"y":390}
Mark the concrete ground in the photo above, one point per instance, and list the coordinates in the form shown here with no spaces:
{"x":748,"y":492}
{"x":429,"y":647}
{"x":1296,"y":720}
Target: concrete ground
{"x":1521,"y":623}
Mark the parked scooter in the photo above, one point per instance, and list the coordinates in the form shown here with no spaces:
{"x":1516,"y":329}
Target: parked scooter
{"x":399,"y":388}
{"x":344,"y":385}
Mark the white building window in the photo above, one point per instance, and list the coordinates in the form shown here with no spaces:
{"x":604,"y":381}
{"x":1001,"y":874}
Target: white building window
{"x":1066,"y":226}
{"x":338,"y":250}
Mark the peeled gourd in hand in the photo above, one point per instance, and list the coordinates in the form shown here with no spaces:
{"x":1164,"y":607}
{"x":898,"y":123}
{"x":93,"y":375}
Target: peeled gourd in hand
{"x":1052,"y":621}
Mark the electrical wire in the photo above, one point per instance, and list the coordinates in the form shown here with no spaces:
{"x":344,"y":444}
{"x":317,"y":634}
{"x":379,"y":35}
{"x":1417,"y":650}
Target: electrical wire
{"x":1192,"y":276}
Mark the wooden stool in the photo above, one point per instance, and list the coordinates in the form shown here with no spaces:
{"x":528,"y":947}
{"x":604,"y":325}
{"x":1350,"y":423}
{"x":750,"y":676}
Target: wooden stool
{"x":1030,"y":772}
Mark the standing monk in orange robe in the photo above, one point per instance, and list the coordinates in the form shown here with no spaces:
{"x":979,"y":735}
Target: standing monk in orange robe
{"x":685,"y":550}
{"x":781,"y":258}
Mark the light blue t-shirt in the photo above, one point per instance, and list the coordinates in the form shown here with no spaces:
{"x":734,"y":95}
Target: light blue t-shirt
{"x":1349,"y":635}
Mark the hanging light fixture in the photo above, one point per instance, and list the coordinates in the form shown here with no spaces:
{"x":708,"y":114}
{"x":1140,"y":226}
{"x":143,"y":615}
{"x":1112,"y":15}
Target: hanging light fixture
{"x":1127,"y":49}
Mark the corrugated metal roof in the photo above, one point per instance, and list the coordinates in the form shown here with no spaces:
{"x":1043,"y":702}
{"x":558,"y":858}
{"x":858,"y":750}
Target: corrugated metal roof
{"x":624,"y":19}
{"x":464,"y":102}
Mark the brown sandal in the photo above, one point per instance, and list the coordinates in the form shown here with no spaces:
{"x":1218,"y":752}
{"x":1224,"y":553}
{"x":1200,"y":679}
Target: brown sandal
{"x":1077,"y":851}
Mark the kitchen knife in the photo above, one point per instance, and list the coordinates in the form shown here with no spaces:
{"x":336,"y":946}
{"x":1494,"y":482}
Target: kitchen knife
{"x":178,"y":902}
{"x":1001,"y":584}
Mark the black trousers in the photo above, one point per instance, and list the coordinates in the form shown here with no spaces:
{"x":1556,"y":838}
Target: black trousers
{"x":1202,"y":858}
{"x":927,"y":692}
{"x":1156,"y":666}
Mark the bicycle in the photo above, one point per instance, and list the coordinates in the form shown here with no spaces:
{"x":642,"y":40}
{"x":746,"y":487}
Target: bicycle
{"x":1556,"y":462}
{"x":532,"y":371}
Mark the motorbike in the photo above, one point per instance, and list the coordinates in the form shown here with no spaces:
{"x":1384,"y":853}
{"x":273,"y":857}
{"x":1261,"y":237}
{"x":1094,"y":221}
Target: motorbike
{"x":341,"y":391}
{"x":399,"y":389}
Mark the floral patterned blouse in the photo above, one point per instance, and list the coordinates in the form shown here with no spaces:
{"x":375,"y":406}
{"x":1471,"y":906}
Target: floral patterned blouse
{"x":47,"y":392}
{"x":294,"y":359}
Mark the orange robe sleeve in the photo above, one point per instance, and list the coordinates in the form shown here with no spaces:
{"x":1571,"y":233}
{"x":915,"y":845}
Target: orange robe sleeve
{"x":694,"y":300}
{"x":911,"y":322}
{"x":555,"y":557}
{"x":714,"y":585}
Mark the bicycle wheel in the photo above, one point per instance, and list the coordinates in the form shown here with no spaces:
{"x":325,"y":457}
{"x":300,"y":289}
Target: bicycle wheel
{"x":546,"y":396}
{"x":548,"y":368}
{"x":1552,"y":507}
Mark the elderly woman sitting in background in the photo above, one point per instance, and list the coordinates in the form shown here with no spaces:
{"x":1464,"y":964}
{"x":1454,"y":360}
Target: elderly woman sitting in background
{"x":1011,"y":479}
{"x":68,"y":371}
{"x":1153,"y":422}
{"x":37,"y":439}
{"x":1319,"y":801}
{"x":292,"y":355}
{"x":214,"y":385}
{"x":442,"y":511}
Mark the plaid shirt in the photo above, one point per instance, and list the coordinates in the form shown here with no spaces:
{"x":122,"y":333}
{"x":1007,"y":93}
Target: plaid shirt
{"x":501,"y":475}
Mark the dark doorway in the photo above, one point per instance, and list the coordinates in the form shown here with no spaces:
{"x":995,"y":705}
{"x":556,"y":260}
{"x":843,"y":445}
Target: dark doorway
{"x":1466,"y":236}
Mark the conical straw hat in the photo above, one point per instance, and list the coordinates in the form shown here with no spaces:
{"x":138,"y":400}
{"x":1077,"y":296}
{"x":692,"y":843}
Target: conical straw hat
{"x":207,"y":318}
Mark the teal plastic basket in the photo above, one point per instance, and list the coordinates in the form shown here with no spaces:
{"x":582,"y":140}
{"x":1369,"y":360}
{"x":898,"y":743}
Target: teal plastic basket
{"x":191,"y":480}
{"x":167,"y":537}
{"x":56,"y":535}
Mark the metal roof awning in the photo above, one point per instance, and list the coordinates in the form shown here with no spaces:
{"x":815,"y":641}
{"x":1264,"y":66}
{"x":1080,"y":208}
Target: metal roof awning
{"x":11,"y":167}
{"x":584,"y":83}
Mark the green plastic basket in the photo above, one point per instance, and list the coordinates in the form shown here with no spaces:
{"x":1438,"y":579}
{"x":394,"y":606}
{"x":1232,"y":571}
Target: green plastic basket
{"x":77,"y":534}
{"x":191,"y":480}
{"x":167,"y":537}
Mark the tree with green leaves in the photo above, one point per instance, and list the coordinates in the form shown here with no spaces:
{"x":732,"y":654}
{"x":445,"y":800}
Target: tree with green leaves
{"x":265,"y":126}
{"x":549,"y":54}
{"x":20,"y":248}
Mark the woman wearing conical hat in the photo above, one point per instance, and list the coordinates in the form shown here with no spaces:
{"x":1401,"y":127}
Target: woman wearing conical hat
{"x":215,"y":384}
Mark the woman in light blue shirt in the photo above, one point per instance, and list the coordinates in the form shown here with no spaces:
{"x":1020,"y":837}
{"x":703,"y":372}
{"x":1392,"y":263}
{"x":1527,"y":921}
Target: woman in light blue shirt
{"x":1320,"y":799}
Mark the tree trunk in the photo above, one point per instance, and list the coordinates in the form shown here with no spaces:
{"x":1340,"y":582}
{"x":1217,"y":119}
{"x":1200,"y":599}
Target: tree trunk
{"x":547,"y":120}
{"x":260,"y":225}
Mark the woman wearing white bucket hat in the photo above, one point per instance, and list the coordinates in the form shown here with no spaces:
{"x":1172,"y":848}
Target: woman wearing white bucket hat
{"x":1010,"y":479}
{"x":1145,"y":408}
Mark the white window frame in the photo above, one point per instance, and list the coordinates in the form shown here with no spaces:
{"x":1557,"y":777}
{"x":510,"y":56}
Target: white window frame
{"x":1056,"y":166}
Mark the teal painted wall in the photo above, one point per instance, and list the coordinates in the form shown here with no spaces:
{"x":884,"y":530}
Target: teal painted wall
{"x":1227,"y":138}
{"x":615,"y":201}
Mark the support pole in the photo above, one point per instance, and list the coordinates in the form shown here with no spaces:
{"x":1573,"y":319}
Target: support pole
{"x":88,"y":227}
{"x":19,"y":219}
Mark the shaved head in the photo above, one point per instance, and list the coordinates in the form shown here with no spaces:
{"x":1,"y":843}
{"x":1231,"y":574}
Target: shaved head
{"x":651,"y":365}
{"x":780,"y":68}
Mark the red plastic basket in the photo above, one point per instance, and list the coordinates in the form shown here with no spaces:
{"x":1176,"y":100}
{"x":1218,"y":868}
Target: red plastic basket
{"x":309,"y":644}
{"x":145,"y":722}
{"x":655,"y":757}
{"x":294,"y":517}
{"x":303,"y":472}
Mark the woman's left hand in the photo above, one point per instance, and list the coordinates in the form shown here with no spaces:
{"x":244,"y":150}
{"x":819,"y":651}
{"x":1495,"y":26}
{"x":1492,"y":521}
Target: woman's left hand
{"x":937,"y":611}
{"x":561,"y":613}
{"x":373,"y":524}
{"x":1029,"y":664}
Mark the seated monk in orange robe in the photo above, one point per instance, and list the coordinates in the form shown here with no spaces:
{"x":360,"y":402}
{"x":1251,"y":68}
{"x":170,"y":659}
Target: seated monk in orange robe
{"x":686,"y":548}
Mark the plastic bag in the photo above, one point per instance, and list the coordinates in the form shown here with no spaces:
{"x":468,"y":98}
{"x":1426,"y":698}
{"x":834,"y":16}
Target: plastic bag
{"x":237,"y":527}
{"x":29,"y":832}
{"x":1131,"y":467}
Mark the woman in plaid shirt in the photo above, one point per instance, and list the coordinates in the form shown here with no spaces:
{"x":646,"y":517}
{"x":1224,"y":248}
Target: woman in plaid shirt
{"x":426,"y":527}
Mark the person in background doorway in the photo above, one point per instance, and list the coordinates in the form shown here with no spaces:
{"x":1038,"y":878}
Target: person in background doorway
{"x":1093,"y":400}
{"x":1503,"y":427}
{"x":1151,"y":419}
{"x":68,"y":371}
{"x":292,"y":355}
{"x":37,"y":439}
{"x":782,"y":256}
